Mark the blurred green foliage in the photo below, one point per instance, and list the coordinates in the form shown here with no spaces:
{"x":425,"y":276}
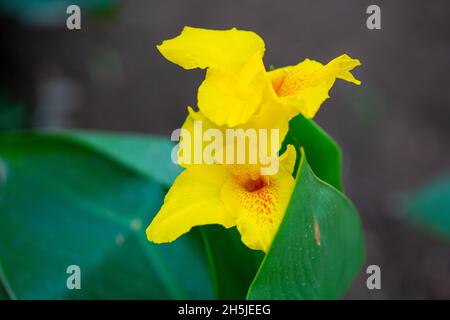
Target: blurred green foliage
{"x":85,"y":198}
{"x":64,"y":202}
{"x":44,"y":12}
{"x":3,"y":294}
{"x":429,"y":206}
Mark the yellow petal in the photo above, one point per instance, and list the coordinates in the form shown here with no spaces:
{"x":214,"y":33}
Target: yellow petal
{"x":271,"y":115}
{"x":267,"y":143}
{"x":202,"y":48}
{"x":288,"y":158}
{"x":309,"y":101}
{"x":304,"y":87}
{"x":340,"y":68}
{"x":193,"y":200}
{"x":230,"y":99}
{"x":233,"y":86}
{"x":190,"y":144}
{"x":290,"y":81}
{"x":260,"y":211}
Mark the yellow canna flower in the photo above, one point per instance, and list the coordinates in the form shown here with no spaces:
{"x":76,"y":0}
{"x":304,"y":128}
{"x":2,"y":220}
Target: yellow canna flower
{"x":238,"y":92}
{"x":233,"y":87}
{"x":237,"y":86}
{"x":304,"y":87}
{"x":229,"y":195}
{"x":226,"y":194}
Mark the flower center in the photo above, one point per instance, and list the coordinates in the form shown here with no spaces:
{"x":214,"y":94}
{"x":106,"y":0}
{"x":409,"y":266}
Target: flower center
{"x":255,"y":185}
{"x":248,"y":176}
{"x":293,"y":82}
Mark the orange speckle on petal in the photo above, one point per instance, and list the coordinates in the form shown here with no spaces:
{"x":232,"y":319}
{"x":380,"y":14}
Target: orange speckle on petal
{"x":260,"y":199}
{"x":293,"y":82}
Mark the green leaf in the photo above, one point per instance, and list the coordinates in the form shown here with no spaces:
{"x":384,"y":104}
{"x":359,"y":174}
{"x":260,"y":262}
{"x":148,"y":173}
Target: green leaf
{"x":3,"y":294}
{"x":324,"y":155}
{"x":75,"y":200}
{"x":150,"y":157}
{"x":430,"y":206}
{"x":235,"y":263}
{"x":318,"y":249}
{"x":232,"y":264}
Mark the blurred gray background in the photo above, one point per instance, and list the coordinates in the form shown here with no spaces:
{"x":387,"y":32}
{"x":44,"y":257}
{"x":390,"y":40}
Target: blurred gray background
{"x":393,"y":129}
